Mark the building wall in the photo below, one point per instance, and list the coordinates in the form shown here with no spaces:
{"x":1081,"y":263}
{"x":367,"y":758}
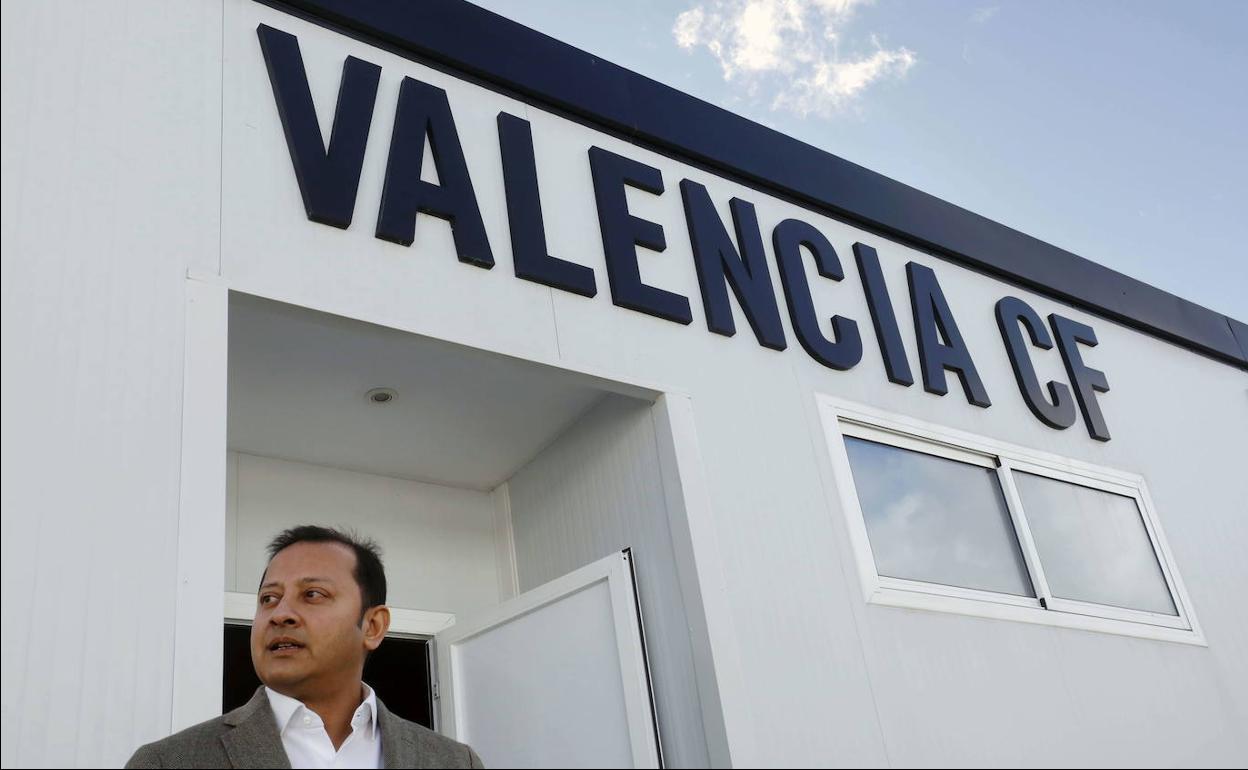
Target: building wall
{"x":437,"y":541}
{"x":111,"y":162}
{"x":825,"y":678}
{"x":596,"y":490}
{"x":141,"y":144}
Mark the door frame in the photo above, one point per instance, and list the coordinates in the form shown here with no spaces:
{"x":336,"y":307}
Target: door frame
{"x":197,"y":647}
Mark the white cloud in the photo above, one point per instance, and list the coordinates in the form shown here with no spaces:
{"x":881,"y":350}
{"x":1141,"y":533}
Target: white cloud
{"x":688,"y":26}
{"x":833,"y":85}
{"x":791,"y":49}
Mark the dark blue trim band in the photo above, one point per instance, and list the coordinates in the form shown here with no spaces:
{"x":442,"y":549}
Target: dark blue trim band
{"x":510,"y":56}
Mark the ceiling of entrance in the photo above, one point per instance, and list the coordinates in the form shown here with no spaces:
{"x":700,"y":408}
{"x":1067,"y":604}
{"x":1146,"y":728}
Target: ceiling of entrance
{"x":297,"y":385}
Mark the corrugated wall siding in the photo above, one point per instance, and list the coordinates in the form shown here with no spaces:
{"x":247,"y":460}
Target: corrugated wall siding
{"x":594,"y":491}
{"x":111,"y":131}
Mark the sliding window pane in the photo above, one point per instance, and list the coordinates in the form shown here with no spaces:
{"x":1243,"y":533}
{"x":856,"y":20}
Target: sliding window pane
{"x":936,"y":520}
{"x":1093,"y":545}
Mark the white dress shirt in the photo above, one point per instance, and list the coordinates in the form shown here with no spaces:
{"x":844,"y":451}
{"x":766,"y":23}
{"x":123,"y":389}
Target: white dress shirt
{"x":307,"y":743}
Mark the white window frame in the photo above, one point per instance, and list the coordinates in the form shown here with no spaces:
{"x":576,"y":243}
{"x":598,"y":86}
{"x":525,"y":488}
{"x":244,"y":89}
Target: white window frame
{"x":843,"y":418}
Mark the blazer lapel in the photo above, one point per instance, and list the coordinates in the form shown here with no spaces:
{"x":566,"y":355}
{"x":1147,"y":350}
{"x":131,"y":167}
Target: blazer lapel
{"x":398,"y":746}
{"x":254,"y":741}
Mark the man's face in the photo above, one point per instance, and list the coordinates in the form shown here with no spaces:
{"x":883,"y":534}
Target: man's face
{"x":307,"y":638}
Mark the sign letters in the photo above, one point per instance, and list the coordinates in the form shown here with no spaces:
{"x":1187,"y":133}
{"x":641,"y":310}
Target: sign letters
{"x":728,"y":255}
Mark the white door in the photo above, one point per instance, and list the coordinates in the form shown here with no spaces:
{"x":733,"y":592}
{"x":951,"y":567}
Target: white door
{"x":555,"y":677}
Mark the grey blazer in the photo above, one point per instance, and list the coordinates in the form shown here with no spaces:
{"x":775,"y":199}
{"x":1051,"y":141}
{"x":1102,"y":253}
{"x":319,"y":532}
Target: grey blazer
{"x":248,"y":737}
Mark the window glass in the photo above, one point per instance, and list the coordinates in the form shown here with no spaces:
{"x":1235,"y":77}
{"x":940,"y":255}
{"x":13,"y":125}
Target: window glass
{"x":936,"y":520}
{"x":1093,"y":545}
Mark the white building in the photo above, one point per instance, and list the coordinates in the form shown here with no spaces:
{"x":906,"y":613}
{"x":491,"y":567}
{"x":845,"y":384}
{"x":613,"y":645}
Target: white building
{"x":993,"y":513}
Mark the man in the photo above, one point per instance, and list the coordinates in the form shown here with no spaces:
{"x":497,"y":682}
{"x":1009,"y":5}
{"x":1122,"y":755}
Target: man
{"x":319,"y":612}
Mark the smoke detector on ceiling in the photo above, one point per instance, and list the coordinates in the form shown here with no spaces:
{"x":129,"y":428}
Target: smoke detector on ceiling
{"x":381,"y":395}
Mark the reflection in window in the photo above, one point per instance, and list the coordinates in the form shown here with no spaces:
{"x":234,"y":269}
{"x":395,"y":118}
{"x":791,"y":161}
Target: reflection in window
{"x":936,"y":520}
{"x":1093,"y":545}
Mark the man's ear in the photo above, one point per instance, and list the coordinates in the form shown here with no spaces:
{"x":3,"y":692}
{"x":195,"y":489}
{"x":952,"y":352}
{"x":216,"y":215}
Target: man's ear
{"x":376,"y":624}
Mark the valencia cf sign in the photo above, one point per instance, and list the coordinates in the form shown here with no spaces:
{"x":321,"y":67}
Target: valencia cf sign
{"x":728,"y":255}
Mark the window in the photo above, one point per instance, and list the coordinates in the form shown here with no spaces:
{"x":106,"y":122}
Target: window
{"x":945,"y":520}
{"x":936,"y":520}
{"x":1093,"y":545}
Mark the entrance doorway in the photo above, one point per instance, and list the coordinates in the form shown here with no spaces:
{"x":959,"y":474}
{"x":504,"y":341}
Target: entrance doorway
{"x":489,"y":482}
{"x":398,"y":671}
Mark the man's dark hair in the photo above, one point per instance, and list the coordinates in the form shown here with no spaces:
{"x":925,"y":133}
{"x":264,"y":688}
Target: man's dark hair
{"x":370,"y":576}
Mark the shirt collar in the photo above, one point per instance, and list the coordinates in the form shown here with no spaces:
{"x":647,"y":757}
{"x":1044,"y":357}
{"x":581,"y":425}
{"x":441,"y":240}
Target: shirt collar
{"x":369,"y":706}
{"x":285,"y":708}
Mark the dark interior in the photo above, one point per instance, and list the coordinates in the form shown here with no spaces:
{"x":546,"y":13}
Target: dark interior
{"x":398,"y":672}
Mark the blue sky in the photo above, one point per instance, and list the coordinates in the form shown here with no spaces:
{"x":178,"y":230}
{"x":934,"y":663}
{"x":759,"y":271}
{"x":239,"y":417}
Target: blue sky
{"x":1116,"y":130}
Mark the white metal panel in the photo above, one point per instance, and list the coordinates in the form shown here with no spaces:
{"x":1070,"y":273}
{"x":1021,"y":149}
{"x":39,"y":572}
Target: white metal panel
{"x":231,"y":520}
{"x":596,"y":490}
{"x":504,"y":543}
{"x":111,"y":127}
{"x":202,"y":506}
{"x":555,"y":677}
{"x":699,"y":566}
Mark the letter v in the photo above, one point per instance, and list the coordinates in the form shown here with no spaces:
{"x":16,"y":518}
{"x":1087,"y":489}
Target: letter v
{"x":328,"y":180}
